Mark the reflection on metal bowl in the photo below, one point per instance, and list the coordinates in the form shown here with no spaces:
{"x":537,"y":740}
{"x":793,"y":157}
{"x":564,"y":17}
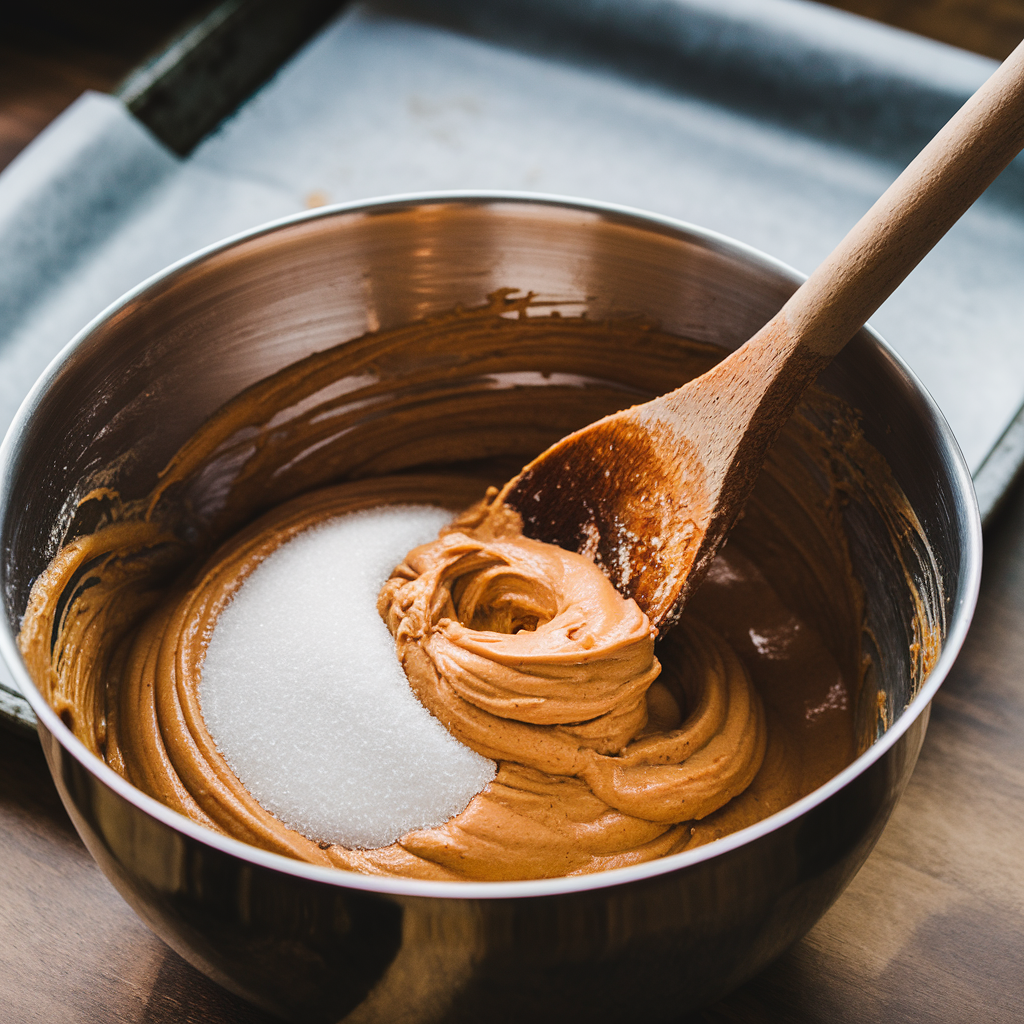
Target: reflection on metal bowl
{"x":651,"y":941}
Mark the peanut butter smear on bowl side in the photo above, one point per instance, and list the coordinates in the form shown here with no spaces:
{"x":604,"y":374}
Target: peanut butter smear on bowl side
{"x":613,"y":746}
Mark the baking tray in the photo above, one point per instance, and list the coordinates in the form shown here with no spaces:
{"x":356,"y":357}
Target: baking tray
{"x":777,"y":122}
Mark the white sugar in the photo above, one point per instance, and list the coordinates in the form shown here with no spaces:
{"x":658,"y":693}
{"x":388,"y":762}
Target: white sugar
{"x":304,"y":696}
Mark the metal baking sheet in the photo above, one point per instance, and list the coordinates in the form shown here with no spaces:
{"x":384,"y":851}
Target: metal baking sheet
{"x":777,"y":122}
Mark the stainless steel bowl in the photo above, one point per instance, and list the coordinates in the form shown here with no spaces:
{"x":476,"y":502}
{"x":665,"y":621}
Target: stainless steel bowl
{"x":648,"y":942}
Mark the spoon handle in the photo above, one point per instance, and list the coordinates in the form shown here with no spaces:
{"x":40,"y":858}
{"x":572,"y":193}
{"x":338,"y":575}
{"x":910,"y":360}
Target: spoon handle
{"x":920,"y":206}
{"x":731,"y":415}
{"x":734,"y":412}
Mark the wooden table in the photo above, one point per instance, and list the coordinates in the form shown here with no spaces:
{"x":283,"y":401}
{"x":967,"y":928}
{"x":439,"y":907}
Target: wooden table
{"x":932,"y":929}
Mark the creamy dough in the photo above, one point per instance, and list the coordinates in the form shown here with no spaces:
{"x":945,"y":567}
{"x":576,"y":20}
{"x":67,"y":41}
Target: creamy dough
{"x":602,"y":761}
{"x":530,"y":656}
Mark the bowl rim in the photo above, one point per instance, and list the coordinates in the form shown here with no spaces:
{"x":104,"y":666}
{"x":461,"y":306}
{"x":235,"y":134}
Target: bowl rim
{"x":959,"y":622}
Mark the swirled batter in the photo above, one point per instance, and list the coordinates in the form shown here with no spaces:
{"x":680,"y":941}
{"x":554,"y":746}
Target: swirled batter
{"x":529,"y":656}
{"x":525,"y":652}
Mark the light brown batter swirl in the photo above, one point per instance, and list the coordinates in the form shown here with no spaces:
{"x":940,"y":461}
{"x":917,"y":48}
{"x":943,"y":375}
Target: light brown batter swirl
{"x":527,"y":653}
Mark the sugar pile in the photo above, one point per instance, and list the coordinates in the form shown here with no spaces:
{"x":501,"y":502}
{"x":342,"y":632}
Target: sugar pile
{"x":304,"y":696}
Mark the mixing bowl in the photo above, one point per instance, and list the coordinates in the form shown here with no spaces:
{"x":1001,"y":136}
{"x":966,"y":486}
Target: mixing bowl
{"x":645,"y":942}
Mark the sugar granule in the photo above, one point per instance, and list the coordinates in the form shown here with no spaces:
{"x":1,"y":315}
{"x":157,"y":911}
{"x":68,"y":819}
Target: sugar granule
{"x":304,"y":696}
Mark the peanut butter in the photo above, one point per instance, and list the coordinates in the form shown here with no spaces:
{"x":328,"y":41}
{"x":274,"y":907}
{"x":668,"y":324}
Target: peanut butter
{"x":613,"y":746}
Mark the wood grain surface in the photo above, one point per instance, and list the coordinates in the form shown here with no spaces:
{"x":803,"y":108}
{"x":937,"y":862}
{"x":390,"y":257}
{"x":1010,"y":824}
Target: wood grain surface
{"x":991,"y":27}
{"x":53,"y":50}
{"x":931,"y":929}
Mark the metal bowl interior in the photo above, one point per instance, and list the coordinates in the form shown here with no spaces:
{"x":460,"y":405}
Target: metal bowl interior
{"x":315,"y":944}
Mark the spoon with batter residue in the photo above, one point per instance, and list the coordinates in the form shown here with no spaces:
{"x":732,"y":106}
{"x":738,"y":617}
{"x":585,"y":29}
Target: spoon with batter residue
{"x":650,"y":493}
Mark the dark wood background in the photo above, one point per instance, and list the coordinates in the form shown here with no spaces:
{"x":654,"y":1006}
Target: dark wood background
{"x":932,"y":929}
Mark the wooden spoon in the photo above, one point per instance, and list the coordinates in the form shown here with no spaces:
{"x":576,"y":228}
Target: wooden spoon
{"x":650,"y":493}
